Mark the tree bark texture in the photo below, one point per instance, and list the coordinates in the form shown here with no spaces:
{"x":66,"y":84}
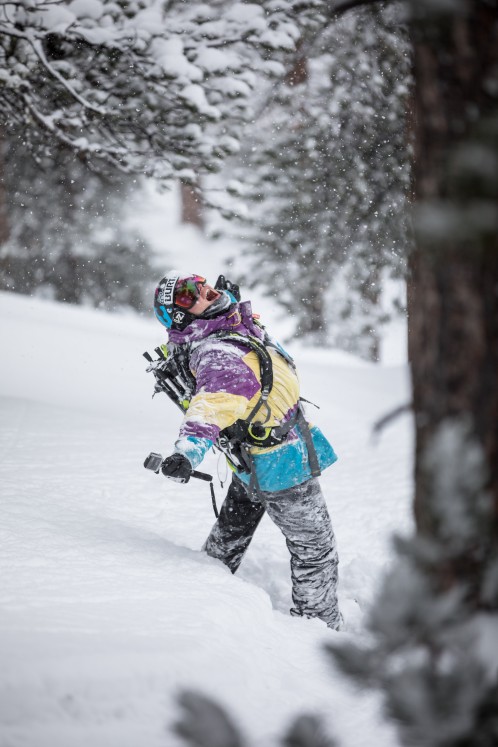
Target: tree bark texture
{"x":191,"y":205}
{"x":312,"y":323}
{"x":370,"y":290}
{"x":453,"y":288}
{"x":4,"y":225}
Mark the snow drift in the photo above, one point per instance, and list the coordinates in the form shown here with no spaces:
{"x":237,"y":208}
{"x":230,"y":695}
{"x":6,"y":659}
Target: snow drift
{"x":108,"y":607}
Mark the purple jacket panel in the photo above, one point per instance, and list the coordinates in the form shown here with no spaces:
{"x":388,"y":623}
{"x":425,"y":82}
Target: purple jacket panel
{"x":219,"y":369}
{"x":199,"y":430}
{"x":219,"y":366}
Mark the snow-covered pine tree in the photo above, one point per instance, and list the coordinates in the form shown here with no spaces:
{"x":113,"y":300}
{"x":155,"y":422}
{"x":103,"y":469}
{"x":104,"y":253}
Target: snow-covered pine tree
{"x":68,"y":234}
{"x":156,"y":88}
{"x":325,"y":172}
{"x":153,"y":87}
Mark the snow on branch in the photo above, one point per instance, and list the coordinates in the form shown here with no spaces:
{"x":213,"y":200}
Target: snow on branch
{"x":41,"y":55}
{"x":153,"y":87}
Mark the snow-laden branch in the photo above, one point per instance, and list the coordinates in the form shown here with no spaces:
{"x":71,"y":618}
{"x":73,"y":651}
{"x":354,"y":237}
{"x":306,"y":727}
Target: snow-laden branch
{"x":79,"y":145}
{"x":166,"y":81}
{"x":37,"y":47}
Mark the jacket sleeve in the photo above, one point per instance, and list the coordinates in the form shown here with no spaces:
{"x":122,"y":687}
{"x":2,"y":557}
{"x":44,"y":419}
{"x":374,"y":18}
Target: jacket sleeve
{"x":225,"y":384}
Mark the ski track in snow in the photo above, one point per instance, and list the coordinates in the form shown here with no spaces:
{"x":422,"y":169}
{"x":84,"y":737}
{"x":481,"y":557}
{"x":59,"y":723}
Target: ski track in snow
{"x":108,"y":608}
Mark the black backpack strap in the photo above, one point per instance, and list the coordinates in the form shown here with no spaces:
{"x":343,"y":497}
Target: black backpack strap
{"x":265,"y":363}
{"x":308,"y":439}
{"x":254,"y":489}
{"x":241,"y":427}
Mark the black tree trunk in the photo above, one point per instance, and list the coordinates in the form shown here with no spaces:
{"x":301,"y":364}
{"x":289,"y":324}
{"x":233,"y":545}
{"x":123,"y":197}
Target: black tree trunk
{"x":453,"y":298}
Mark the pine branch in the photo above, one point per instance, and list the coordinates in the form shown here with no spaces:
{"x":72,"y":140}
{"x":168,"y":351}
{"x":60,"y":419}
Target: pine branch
{"x":343,"y":7}
{"x":392,"y":415}
{"x":332,"y":14}
{"x":36,"y":46}
{"x":75,"y":145}
{"x":206,"y":724}
{"x":307,"y":731}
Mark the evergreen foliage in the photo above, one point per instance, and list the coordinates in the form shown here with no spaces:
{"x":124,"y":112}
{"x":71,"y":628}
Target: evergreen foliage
{"x":434,"y":622}
{"x":325,"y":173}
{"x":68,"y":235}
{"x":151,"y":87}
{"x":204,"y":723}
{"x":140,"y":86}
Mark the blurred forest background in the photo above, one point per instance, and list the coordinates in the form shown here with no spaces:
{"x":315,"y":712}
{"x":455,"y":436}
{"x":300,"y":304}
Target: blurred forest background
{"x":309,"y":127}
{"x":313,"y":189}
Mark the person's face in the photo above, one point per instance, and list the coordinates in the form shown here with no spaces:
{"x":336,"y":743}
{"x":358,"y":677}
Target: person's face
{"x":194,"y":294}
{"x":207,"y":296}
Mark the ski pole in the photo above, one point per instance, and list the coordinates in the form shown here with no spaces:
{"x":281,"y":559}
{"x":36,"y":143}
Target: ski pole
{"x":154,"y":461}
{"x":209,"y":479}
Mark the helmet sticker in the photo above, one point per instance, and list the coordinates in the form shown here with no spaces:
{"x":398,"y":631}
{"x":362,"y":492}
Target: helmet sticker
{"x":163,"y":317}
{"x":178,"y":317}
{"x":167,"y":291}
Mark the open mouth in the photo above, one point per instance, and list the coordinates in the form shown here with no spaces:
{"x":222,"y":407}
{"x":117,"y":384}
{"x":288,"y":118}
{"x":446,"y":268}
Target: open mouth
{"x":212,"y":295}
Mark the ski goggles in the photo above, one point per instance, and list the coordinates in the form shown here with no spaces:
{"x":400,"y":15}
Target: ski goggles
{"x":187,"y":291}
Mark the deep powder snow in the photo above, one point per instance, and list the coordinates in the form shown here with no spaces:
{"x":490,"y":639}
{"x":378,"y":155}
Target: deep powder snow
{"x":108,"y":608}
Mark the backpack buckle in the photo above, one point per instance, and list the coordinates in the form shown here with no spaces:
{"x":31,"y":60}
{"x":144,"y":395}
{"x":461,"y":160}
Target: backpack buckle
{"x":259,"y":432}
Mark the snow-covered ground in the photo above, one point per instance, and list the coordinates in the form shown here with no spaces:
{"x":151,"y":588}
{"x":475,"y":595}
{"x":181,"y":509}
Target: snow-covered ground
{"x":108,"y":606}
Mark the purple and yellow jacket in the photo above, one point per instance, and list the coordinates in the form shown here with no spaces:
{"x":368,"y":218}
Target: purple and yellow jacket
{"x":228,"y":386}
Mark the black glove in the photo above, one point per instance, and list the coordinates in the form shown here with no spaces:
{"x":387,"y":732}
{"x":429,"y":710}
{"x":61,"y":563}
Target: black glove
{"x":177,"y":467}
{"x":223,"y":284}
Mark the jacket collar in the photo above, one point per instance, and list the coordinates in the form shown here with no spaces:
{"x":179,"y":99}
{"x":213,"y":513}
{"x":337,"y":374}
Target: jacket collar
{"x":237,"y":318}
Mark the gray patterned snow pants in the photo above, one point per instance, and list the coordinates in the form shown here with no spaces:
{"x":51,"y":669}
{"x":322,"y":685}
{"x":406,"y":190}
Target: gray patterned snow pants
{"x":301,"y":515}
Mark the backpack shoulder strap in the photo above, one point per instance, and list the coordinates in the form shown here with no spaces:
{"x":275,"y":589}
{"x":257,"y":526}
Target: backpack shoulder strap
{"x":265,"y":361}
{"x":239,"y":431}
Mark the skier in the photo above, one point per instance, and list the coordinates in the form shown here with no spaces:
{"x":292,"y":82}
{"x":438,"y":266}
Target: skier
{"x":281,"y":454}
